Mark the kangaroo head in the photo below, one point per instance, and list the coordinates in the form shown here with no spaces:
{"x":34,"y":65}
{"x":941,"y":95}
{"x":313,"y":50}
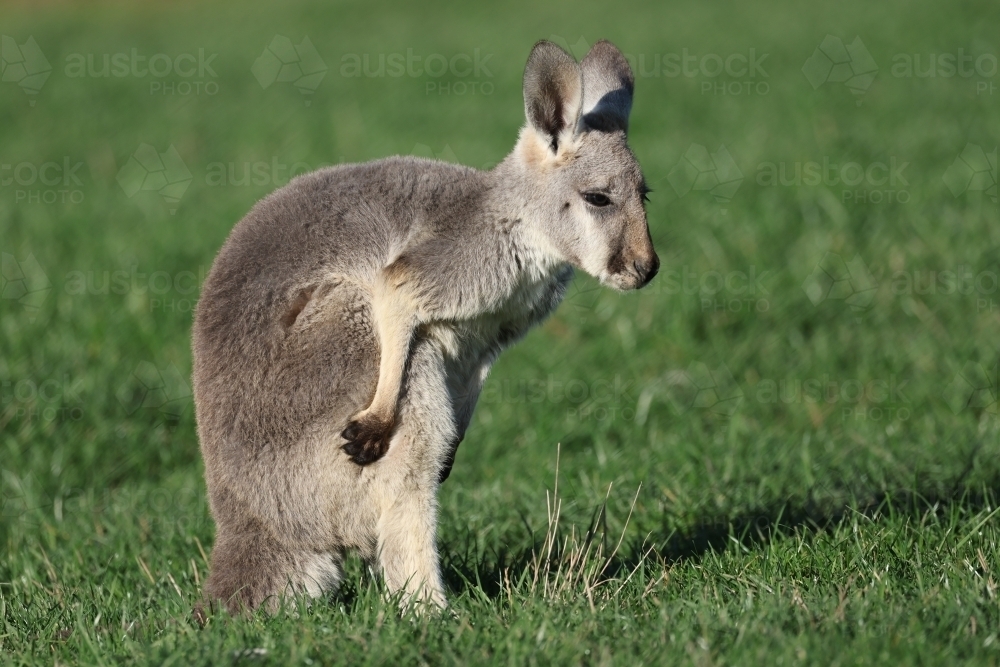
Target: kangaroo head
{"x":585,"y":187}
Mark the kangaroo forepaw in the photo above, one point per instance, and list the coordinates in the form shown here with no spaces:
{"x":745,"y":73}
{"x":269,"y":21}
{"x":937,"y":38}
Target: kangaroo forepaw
{"x":367,"y":439}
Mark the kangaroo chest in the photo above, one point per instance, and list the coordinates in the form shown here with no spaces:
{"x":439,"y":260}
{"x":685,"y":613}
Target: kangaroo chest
{"x":489,"y":333}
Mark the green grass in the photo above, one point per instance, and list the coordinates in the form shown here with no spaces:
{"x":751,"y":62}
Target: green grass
{"x":834,"y":501}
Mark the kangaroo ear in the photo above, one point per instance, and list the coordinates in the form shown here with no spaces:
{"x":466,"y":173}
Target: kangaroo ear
{"x":553,"y":92}
{"x":608,"y":83}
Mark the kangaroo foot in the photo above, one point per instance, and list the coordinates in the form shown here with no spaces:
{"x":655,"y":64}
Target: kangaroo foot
{"x":367,"y":438}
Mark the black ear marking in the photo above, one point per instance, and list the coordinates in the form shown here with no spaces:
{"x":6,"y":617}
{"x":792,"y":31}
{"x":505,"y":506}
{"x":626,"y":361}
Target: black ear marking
{"x":548,"y":109}
{"x":553,"y":91}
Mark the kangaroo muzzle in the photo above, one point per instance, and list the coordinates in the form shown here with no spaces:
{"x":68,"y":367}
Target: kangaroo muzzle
{"x":646,"y":269}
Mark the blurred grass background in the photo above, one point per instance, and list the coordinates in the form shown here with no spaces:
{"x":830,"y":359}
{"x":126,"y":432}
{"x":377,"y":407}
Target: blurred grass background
{"x":818,"y":461}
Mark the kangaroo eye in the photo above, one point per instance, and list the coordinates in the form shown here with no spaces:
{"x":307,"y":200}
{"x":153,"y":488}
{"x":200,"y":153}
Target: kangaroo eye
{"x":596,"y":198}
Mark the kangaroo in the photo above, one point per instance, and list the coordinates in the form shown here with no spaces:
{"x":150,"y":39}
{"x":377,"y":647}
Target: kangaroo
{"x":349,"y":321}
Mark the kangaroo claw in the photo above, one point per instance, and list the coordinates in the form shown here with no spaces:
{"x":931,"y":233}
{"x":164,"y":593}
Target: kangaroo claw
{"x":367,"y":439}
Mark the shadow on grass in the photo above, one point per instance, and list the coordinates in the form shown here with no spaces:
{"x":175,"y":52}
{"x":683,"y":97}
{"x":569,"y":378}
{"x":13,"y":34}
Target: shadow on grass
{"x":465,"y":573}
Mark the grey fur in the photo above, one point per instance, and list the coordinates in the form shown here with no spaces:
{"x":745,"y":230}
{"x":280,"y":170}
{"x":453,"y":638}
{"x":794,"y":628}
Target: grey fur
{"x":348,"y":323}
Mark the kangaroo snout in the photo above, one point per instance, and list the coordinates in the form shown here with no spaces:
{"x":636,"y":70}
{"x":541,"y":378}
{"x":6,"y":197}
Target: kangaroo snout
{"x":632,"y":270}
{"x":646,"y":269}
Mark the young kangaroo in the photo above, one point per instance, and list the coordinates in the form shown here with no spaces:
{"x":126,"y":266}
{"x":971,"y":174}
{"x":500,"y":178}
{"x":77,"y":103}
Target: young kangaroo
{"x":349,"y":322}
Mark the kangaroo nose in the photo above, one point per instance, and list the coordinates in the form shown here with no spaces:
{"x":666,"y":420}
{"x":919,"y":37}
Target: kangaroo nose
{"x":647,"y":269}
